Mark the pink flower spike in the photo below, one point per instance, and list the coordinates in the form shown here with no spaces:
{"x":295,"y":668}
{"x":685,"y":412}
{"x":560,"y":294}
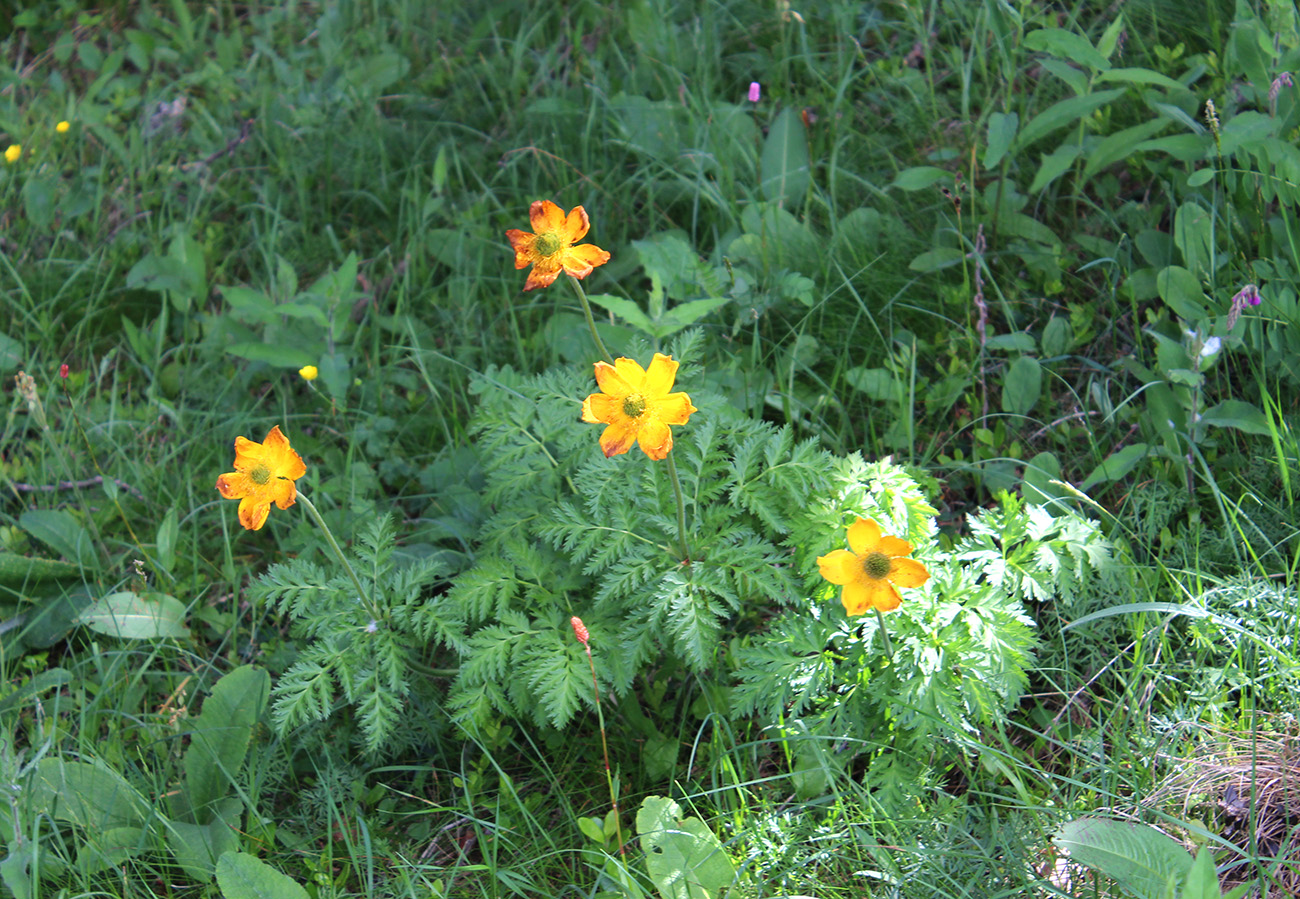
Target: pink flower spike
{"x":579,"y":630}
{"x":63,"y":370}
{"x":755,"y":91}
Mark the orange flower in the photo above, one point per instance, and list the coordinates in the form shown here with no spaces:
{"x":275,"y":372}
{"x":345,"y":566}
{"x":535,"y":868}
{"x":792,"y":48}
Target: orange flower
{"x":264,"y":474}
{"x":872,"y":569}
{"x":551,"y":248}
{"x":636,"y":405}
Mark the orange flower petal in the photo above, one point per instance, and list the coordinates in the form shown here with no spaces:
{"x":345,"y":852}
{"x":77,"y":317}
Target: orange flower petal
{"x":864,"y":534}
{"x":660,"y":375}
{"x":280,"y":456}
{"x":522,"y":242}
{"x":908,"y":573}
{"x":632,"y":374}
{"x":617,"y":439}
{"x":839,"y":566}
{"x":655,"y":439}
{"x":868,"y":594}
{"x":253,"y":512}
{"x":545,"y":216}
{"x":576,"y":225}
{"x":282,"y":492}
{"x":894,"y":546}
{"x":579,"y":261}
{"x":545,"y":270}
{"x":675,"y":409}
{"x":612,"y":381}
{"x":247,"y":454}
{"x":234,"y":485}
{"x":600,"y":407}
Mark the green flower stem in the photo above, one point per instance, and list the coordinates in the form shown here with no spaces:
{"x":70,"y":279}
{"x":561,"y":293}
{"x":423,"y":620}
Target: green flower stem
{"x":604,"y":745}
{"x":591,"y":322}
{"x":366,"y":599}
{"x":681,"y":508}
{"x":884,"y":635}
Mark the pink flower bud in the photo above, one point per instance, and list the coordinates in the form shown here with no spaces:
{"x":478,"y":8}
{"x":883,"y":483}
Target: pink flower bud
{"x":755,"y":91}
{"x":63,"y":370}
{"x":579,"y":630}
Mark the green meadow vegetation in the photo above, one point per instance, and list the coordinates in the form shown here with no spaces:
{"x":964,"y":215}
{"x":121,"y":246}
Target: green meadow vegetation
{"x":946,"y":356}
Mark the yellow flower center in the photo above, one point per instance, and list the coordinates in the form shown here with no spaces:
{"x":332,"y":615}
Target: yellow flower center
{"x":634,"y":405}
{"x":877,"y":566}
{"x":261,"y":475}
{"x":548,"y":243}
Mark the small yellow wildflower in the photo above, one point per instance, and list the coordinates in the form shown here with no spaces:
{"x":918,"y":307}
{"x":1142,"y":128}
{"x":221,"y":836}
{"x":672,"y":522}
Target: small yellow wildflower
{"x":63,"y":127}
{"x":550,"y":249}
{"x":872,"y":569}
{"x":308,"y":372}
{"x":264,"y":474}
{"x":13,"y":154}
{"x":637,"y":406}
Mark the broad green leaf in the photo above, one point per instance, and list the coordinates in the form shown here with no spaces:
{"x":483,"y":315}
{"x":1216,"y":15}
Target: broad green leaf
{"x":168,"y":530}
{"x":1002,"y":131}
{"x":1068,"y":45}
{"x":683,"y":314}
{"x":1058,"y":336}
{"x":1018,"y":341}
{"x":62,"y":533}
{"x":1037,"y":485}
{"x":303,"y":311}
{"x":272,"y":354}
{"x":1182,"y":292}
{"x":1022,"y":386}
{"x":104,"y":849}
{"x":1139,"y":76}
{"x":1194,"y":236}
{"x":930,"y":260}
{"x":920,"y":177}
{"x":11,"y":353}
{"x":1237,"y":414}
{"x":786,"y":173}
{"x":877,"y":383}
{"x":1110,"y":37}
{"x":38,"y":200}
{"x":22,"y":571}
{"x":625,"y":309}
{"x":1058,"y":115}
{"x":591,"y":829}
{"x":51,"y":679}
{"x":1017,"y":224}
{"x":198,"y":847}
{"x":244,"y":876}
{"x":134,"y":616}
{"x":219,"y":738}
{"x":683,"y":857}
{"x":1183,"y":147}
{"x":1119,"y":146}
{"x":1139,"y":857}
{"x":1116,"y":465}
{"x":1054,"y":165}
{"x":87,"y":795}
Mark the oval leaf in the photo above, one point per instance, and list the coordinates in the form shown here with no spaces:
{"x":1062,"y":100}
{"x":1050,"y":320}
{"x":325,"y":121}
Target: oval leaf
{"x":136,"y":617}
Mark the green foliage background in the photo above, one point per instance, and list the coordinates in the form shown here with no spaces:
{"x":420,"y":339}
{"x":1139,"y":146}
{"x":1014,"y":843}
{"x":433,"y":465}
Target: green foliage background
{"x":972,"y":269}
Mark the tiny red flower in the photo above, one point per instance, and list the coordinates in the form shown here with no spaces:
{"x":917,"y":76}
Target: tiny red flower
{"x":63,"y":370}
